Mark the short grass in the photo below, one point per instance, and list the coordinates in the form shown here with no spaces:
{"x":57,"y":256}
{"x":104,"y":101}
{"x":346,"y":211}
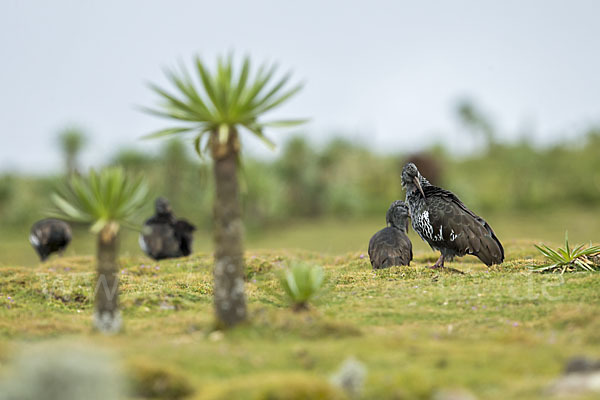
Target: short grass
{"x":500,"y":332}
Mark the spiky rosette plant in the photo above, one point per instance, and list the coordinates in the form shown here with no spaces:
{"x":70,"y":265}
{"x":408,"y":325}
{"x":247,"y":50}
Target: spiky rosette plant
{"x":302,"y":282}
{"x":216,"y":107}
{"x":105,"y":200}
{"x":579,"y":258}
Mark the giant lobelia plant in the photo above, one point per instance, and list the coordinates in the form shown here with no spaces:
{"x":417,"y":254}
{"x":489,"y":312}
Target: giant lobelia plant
{"x":106,"y":200}
{"x":217,"y":106}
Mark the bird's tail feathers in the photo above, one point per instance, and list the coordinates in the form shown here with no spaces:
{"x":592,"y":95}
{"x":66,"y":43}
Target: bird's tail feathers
{"x":492,"y":251}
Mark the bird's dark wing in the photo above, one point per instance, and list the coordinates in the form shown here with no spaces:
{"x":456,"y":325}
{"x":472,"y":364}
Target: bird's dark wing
{"x":459,"y":229}
{"x":59,"y":235}
{"x":389,"y":247}
{"x":184,"y":232}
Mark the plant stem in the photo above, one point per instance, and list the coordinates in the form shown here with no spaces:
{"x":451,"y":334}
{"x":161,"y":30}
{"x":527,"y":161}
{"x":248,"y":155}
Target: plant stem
{"x":230,"y":300}
{"x":107,"y":318}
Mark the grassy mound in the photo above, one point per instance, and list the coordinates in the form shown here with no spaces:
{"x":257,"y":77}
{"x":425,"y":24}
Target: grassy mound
{"x":500,"y":332}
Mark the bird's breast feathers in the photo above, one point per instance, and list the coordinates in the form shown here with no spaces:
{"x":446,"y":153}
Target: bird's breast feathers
{"x":422,"y":224}
{"x":430,"y":230}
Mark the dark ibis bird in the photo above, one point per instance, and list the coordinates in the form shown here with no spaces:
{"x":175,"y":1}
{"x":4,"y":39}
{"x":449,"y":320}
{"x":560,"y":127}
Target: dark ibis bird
{"x":391,"y":246}
{"x":443,"y":221}
{"x":50,"y":235}
{"x":164,"y":236}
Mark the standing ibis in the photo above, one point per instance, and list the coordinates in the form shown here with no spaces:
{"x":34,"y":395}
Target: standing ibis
{"x":446,"y":224}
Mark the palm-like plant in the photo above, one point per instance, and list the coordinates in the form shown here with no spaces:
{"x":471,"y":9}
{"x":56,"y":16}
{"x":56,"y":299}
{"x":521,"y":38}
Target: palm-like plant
{"x":71,"y":141}
{"x":567,"y":258}
{"x":105,"y":200}
{"x":222,"y":104}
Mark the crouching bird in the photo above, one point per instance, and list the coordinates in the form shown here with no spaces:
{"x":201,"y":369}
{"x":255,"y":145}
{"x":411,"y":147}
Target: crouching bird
{"x":48,"y":236}
{"x":443,"y":221}
{"x":391,"y":246}
{"x":164,"y":236}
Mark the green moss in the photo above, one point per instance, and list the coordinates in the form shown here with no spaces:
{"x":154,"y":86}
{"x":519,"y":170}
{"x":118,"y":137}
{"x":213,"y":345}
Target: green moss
{"x":277,"y":387}
{"x":152,"y":381}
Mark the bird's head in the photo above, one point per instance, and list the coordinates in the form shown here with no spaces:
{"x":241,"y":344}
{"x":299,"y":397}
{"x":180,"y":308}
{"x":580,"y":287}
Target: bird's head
{"x":411,"y":179}
{"x":162,"y":206}
{"x":397,"y":215}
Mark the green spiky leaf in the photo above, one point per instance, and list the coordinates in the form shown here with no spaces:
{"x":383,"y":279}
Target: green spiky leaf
{"x":567,"y":258}
{"x":301,"y":282}
{"x":223,"y":100}
{"x":108,"y":196}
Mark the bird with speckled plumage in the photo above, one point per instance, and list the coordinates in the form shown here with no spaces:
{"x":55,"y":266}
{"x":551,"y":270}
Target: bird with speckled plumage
{"x":446,"y":224}
{"x":391,"y":246}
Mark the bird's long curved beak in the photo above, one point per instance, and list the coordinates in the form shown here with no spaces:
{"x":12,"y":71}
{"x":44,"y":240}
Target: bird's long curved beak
{"x":416,"y":181}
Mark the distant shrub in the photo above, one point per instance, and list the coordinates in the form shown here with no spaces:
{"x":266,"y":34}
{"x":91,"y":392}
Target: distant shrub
{"x":6,"y":188}
{"x":344,"y":179}
{"x":263,"y":195}
{"x":301,"y":282}
{"x":300,"y":177}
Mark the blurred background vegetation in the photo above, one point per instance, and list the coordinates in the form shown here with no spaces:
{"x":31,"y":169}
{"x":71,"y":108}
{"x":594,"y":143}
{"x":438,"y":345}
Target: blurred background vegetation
{"x":340,"y":181}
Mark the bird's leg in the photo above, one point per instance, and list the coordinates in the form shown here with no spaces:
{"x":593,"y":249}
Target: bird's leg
{"x":439,"y":263}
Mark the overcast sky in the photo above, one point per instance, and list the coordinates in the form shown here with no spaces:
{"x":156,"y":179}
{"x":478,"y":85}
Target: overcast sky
{"x":386,"y":73}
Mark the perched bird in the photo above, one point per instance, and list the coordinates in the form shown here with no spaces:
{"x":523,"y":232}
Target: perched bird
{"x":391,"y":246}
{"x":48,"y":236}
{"x":443,"y":221}
{"x":164,"y":236}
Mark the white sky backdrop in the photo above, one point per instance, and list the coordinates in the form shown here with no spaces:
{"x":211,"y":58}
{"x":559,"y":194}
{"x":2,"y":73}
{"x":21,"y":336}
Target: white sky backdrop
{"x":387,"y":73}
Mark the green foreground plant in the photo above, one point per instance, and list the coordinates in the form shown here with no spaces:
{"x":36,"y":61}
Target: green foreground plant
{"x":104,"y":200}
{"x":567,"y":258}
{"x":301,"y":282}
